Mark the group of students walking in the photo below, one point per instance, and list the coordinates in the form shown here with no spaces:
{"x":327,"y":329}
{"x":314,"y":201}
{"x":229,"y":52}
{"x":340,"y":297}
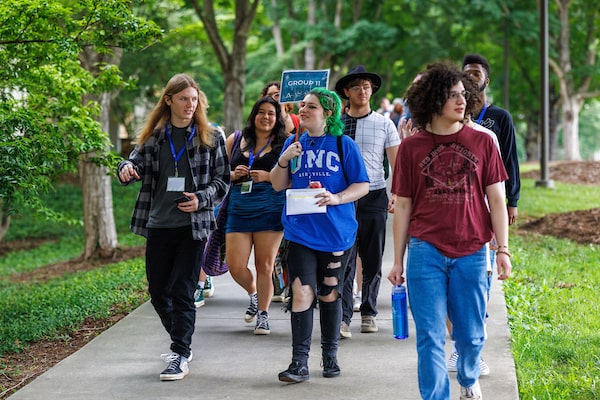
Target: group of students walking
{"x":318,"y":183}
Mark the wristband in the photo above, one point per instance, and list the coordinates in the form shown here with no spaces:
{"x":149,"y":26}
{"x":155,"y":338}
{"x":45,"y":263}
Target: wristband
{"x":504,"y":252}
{"x":281,"y":166}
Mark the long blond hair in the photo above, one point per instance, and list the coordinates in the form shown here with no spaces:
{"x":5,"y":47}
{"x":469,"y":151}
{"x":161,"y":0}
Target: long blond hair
{"x":162,"y":112}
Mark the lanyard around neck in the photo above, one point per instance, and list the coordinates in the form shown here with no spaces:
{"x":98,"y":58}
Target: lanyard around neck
{"x":177,"y":155}
{"x":482,"y":113}
{"x":305,"y":147}
{"x":251,"y":156}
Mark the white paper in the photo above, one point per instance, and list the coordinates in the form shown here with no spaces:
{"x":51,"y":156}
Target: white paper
{"x":303,"y":201}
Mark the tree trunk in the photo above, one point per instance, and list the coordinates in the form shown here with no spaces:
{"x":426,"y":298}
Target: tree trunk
{"x":570,"y":125}
{"x":233,"y":101}
{"x":554,"y":125}
{"x":98,"y":217}
{"x":309,"y":52}
{"x":276,"y":30}
{"x":4,"y":219}
{"x":532,"y":140}
{"x":232,"y":64}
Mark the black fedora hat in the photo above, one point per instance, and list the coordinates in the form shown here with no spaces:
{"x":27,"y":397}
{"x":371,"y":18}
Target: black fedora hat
{"x":358,"y":72}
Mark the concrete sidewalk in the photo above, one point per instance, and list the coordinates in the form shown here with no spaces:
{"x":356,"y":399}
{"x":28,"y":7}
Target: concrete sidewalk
{"x":230,"y":362}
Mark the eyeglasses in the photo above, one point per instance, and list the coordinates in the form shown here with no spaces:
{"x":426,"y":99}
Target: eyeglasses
{"x":455,"y":95}
{"x":357,"y":88}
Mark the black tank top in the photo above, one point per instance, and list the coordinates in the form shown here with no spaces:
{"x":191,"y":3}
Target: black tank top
{"x":265,"y":162}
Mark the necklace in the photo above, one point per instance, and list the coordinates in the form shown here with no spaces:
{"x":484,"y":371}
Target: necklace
{"x":312,"y":138}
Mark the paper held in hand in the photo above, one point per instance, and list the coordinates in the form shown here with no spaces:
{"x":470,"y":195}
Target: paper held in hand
{"x":303,"y":201}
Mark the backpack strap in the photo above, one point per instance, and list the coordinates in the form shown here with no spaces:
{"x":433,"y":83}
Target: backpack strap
{"x":237,"y":138}
{"x":341,"y":154}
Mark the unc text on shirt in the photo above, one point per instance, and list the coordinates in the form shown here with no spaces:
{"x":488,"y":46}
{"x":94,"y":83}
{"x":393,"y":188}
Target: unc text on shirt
{"x":320,"y":159}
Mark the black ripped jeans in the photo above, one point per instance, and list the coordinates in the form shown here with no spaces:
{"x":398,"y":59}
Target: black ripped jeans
{"x":319,"y":270}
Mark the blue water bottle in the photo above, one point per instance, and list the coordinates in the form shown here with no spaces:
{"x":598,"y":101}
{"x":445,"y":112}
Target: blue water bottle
{"x":399,"y":312}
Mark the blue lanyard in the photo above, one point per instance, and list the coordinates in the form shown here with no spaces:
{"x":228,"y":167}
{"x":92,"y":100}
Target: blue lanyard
{"x":252,"y":157}
{"x":177,"y":156}
{"x":305,"y":147}
{"x":482,"y":113}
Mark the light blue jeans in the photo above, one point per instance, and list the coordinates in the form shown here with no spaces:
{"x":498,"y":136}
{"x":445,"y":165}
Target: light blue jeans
{"x":440,"y":286}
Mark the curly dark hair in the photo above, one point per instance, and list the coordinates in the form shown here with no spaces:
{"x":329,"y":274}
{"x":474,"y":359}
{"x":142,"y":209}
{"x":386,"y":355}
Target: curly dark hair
{"x":474,"y":100}
{"x":278,"y":134}
{"x":427,"y":96}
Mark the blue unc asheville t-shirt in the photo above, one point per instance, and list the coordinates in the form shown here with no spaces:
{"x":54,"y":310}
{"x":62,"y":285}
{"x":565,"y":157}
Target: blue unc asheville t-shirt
{"x":334,"y":230}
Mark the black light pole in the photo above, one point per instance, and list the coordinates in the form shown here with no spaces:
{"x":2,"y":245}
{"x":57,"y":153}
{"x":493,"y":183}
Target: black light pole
{"x":545,"y":95}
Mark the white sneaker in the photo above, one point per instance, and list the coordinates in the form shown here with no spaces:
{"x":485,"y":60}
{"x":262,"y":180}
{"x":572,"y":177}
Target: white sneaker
{"x":452,"y":361}
{"x":484,"y":369}
{"x":471,"y":393}
{"x":209,"y":288}
{"x":345,"y":331}
{"x":357,"y":303}
{"x":176,"y":370}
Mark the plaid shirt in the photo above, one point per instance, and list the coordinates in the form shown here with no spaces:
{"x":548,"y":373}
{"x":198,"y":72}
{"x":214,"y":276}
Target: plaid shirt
{"x":210,"y":175}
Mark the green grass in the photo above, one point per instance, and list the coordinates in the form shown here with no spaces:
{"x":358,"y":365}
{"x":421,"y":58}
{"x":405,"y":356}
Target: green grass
{"x":38,"y":310}
{"x":552,"y":299}
{"x":537,"y":202}
{"x":554,"y":318}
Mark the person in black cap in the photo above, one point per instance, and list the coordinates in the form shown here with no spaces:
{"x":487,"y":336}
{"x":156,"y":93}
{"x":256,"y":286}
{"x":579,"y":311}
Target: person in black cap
{"x":376,"y":137}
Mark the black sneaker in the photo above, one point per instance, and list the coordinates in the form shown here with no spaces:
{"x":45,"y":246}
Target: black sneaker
{"x":297,"y":372}
{"x":252,"y":308}
{"x":330,"y":367}
{"x":177,"y":369}
{"x":262,"y":324}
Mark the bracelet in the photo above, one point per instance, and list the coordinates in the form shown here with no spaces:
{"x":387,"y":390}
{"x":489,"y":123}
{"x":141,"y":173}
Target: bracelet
{"x":281,"y":166}
{"x":504,"y":252}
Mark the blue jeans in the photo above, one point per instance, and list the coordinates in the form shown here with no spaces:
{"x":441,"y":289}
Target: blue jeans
{"x":440,"y":286}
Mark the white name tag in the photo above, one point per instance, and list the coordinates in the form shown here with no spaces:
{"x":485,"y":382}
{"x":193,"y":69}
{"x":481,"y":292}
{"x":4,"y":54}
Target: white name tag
{"x":175,"y":184}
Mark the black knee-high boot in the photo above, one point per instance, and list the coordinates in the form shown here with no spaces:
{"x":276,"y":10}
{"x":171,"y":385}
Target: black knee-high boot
{"x":330,"y":318}
{"x":302,"y":326}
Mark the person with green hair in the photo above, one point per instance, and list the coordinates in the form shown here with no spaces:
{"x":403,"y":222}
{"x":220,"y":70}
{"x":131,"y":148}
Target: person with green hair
{"x":321,"y":234}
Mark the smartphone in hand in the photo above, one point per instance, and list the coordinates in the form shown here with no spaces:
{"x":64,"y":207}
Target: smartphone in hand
{"x":182,"y":199}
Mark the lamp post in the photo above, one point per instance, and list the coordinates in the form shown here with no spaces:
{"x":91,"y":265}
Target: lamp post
{"x":544,"y":96}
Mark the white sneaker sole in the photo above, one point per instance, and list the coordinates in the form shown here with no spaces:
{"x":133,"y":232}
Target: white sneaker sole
{"x":174,"y":377}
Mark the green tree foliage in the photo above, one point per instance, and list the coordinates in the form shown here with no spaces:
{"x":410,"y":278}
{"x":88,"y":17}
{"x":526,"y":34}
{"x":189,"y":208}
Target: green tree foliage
{"x":44,"y":123}
{"x":184,"y":48}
